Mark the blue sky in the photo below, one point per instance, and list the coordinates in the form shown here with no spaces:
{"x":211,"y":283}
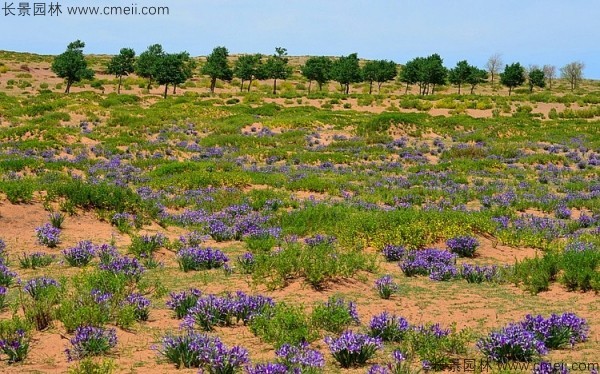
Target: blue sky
{"x":527,"y":31}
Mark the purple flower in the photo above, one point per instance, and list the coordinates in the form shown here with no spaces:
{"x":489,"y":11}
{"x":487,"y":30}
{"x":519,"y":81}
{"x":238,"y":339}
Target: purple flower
{"x":438,"y":264}
{"x":15,"y":346}
{"x":464,"y":246}
{"x":268,"y":368}
{"x":393,"y":252}
{"x":140,"y":304}
{"x":124,"y":266}
{"x":40,"y":287}
{"x":182,"y":301}
{"x":300,"y":358}
{"x":48,"y":235}
{"x":6,"y":275}
{"x":478,"y":274}
{"x":562,"y":212}
{"x":386,"y":286}
{"x":352,"y":349}
{"x":545,"y":367}
{"x":388,"y":327}
{"x":557,"y":331}
{"x":80,"y":255}
{"x":201,"y":259}
{"x":91,"y":341}
{"x":512,"y":343}
{"x":319,"y":239}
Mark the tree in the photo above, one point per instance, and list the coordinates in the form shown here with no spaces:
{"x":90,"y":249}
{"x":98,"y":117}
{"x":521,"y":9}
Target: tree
{"x":494,"y":65}
{"x":536,"y":78}
{"x":550,"y":73}
{"x":409,"y":73}
{"x":460,"y":74}
{"x":476,"y":77}
{"x":174,"y":69}
{"x":345,"y":70}
{"x":121,"y":65}
{"x":217,"y":67}
{"x":379,"y":71}
{"x":276,"y":67}
{"x":317,"y":69}
{"x":513,"y":76}
{"x":246,"y":68}
{"x":147,"y":63}
{"x":573,"y":72}
{"x":71,"y":65}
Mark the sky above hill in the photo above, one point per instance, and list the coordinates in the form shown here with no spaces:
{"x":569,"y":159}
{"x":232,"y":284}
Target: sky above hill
{"x":537,"y":32}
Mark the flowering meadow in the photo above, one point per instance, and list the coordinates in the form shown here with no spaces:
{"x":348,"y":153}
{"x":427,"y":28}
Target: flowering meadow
{"x":253,"y":233}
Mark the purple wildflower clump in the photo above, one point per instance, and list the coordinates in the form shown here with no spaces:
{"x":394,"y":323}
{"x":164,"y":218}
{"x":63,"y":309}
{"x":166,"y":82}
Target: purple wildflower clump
{"x":124,"y":266}
{"x":352,"y":349}
{"x":201,"y":259}
{"x":15,"y":346}
{"x":40,"y":287}
{"x":246,"y":262}
{"x":393,"y":252}
{"x":300,"y":358}
{"x":3,"y":292}
{"x":140,"y":305}
{"x":213,"y":310}
{"x":586,"y":221}
{"x":319,"y":239}
{"x":80,"y":255}
{"x":107,"y":253}
{"x":335,"y":315}
{"x":6,"y":275}
{"x":268,"y":368}
{"x":433,"y":330}
{"x":562,"y":212}
{"x":182,"y":302}
{"x":123,"y":221}
{"x":2,"y":246}
{"x":478,"y":274}
{"x":464,"y":246}
{"x":193,"y":239}
{"x":48,"y":235}
{"x":194,"y":350}
{"x":388,"y":327}
{"x":512,"y":343}
{"x":438,"y":264}
{"x":386,"y":286}
{"x":578,"y":246}
{"x":557,"y":331}
{"x":91,"y":341}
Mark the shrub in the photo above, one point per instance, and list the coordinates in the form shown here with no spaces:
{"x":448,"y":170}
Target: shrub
{"x":285,"y":324}
{"x":478,"y":274}
{"x":246,"y":262}
{"x":439,"y":265}
{"x":130,"y":268}
{"x":393,"y":252}
{"x":35,"y":260}
{"x":146,"y":245}
{"x":352,"y":349}
{"x":335,"y":315}
{"x":15,"y":345}
{"x":139,"y":304}
{"x":41,"y":287}
{"x":464,"y":246}
{"x":91,"y":341}
{"x":300,"y":358}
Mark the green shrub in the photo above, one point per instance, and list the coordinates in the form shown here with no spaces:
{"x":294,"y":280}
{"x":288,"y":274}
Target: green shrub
{"x":286,"y":324}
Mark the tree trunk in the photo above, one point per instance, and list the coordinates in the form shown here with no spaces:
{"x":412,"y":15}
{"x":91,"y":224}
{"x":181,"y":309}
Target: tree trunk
{"x":406,"y":90}
{"x":165,"y":94}
{"x":275,"y":86}
{"x":149,"y":84}
{"x":492,"y":74}
{"x":509,"y":90}
{"x":249,"y":84}
{"x":459,"y":88}
{"x":347,"y":88}
{"x":69,"y":83}
{"x":242,"y":86}
{"x":433,"y":89}
{"x":309,"y":84}
{"x":119,"y":86}
{"x":320,"y":86}
{"x":213,"y":83}
{"x":379,"y":87}
{"x":370,"y":87}
{"x":174,"y":89}
{"x":472,"y":89}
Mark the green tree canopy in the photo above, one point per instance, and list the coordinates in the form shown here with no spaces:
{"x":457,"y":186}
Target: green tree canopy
{"x":174,"y":69}
{"x":536,"y":78}
{"x":276,"y":67}
{"x":317,"y":69}
{"x":513,"y":76}
{"x":147,"y":63}
{"x":379,"y":71}
{"x":122,"y":64}
{"x":427,"y":72}
{"x":247,"y":68}
{"x":460,"y":74}
{"x":217,"y":67}
{"x":346,"y":70}
{"x":71,"y":65}
{"x":476,"y":77}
